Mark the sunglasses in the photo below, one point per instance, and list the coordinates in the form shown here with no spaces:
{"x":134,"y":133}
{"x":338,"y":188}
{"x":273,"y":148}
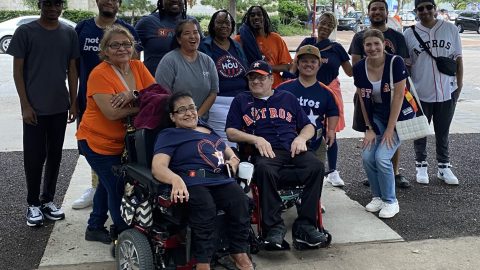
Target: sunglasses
{"x":422,"y":8}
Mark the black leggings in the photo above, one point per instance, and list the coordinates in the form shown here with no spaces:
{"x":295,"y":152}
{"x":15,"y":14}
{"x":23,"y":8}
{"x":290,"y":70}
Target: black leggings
{"x":203,"y":204}
{"x":42,"y":144}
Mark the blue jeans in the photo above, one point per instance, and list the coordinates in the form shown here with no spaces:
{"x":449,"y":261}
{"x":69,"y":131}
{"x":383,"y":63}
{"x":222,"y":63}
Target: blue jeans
{"x":109,"y":190}
{"x":378,"y":166}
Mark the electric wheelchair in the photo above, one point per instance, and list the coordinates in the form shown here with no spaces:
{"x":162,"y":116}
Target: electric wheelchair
{"x":159,"y":237}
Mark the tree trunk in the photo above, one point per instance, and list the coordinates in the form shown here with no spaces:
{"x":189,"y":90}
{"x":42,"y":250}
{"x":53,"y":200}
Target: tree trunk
{"x":400,"y":5}
{"x":364,"y":6}
{"x":233,"y":11}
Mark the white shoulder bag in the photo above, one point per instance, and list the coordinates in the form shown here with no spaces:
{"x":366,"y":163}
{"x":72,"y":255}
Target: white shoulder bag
{"x":417,"y":127}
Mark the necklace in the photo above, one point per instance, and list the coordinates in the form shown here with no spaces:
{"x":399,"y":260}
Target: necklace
{"x":224,"y":45}
{"x":122,"y":72}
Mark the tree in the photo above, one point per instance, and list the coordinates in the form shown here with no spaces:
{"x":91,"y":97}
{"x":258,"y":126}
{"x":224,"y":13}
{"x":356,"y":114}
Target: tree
{"x":242,"y":5}
{"x":33,"y":4}
{"x":138,"y":7}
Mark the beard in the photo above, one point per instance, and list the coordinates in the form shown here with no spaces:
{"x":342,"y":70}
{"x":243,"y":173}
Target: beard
{"x":108,"y":14}
{"x":378,"y":23}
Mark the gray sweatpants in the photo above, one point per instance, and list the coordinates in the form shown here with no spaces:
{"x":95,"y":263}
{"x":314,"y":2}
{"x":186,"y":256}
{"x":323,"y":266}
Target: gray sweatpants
{"x":442,"y":115}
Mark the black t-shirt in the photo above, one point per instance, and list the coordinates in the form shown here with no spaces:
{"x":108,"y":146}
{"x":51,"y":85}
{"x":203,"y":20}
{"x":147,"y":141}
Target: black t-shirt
{"x":394,"y":44}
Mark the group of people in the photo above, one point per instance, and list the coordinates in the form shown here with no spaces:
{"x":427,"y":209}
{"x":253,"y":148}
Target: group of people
{"x":228,"y":91}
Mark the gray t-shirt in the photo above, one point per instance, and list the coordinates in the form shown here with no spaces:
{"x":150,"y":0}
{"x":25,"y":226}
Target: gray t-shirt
{"x":200,"y":78}
{"x":46,"y":55}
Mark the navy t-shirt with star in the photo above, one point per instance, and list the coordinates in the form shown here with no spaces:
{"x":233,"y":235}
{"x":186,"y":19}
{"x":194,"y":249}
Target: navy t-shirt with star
{"x":277,"y":119}
{"x":193,"y":150}
{"x":231,"y":72}
{"x":317,"y":102}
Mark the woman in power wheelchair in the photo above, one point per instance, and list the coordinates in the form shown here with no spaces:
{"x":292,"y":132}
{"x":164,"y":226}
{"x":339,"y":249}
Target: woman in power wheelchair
{"x":200,"y":168}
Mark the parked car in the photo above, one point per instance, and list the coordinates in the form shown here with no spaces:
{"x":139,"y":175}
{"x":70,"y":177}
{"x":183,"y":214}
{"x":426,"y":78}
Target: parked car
{"x":350,"y":21}
{"x":468,"y":20}
{"x":454,"y":14}
{"x":365,"y":23}
{"x":7,"y":28}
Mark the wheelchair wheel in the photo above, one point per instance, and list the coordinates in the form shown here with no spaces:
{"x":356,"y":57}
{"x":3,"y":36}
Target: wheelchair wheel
{"x":133,"y":251}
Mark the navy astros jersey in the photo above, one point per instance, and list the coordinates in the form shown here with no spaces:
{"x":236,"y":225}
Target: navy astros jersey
{"x":276,"y":118}
{"x":317,"y":102}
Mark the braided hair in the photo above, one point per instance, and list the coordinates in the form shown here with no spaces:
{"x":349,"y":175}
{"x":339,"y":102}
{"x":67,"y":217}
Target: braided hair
{"x":161,"y":10}
{"x":211,"y":25}
{"x":267,"y":26}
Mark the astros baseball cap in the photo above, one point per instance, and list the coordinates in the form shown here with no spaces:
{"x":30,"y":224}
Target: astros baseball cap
{"x":418,"y":2}
{"x":260,"y":67}
{"x":309,"y":49}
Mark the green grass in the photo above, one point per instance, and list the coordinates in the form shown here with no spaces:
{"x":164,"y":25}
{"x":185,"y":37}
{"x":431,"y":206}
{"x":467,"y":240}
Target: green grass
{"x":293,"y":30}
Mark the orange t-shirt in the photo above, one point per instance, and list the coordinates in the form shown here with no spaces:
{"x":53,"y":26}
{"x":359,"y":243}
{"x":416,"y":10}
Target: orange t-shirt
{"x":106,"y":137}
{"x":275,"y":52}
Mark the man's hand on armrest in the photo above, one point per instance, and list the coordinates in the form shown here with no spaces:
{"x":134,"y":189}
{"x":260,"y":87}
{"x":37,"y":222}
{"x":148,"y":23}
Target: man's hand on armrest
{"x":262,"y":145}
{"x":299,"y":144}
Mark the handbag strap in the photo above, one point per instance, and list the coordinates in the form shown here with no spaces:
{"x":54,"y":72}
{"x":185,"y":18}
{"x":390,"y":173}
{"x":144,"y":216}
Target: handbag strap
{"x":120,"y":76}
{"x":420,"y":40}
{"x":411,"y":89}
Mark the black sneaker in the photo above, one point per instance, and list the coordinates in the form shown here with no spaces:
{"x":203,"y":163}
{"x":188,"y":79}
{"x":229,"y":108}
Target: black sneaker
{"x":275,"y":235}
{"x":401,"y":181}
{"x":34,"y":216}
{"x":98,"y":235}
{"x":308,"y":234}
{"x":51,"y":211}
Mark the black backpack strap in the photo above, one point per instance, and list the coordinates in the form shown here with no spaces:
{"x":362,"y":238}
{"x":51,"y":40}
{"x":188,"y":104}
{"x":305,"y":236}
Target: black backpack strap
{"x":422,"y":42}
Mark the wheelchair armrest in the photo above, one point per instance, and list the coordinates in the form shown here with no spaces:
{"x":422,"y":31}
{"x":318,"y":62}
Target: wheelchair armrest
{"x":144,"y":176}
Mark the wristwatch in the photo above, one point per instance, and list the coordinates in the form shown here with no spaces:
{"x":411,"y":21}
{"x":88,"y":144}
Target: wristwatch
{"x":135,"y":94}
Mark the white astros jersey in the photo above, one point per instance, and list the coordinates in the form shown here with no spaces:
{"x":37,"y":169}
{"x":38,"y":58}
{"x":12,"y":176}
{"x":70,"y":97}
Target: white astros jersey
{"x":443,"y":40}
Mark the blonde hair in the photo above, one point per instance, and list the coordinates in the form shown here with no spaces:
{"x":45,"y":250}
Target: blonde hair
{"x":330,"y":16}
{"x":114,"y":29}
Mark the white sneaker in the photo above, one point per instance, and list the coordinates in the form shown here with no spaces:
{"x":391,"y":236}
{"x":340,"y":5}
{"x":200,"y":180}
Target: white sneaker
{"x":334,"y":179}
{"x":389,"y":210}
{"x":422,"y":172}
{"x":375,"y":205}
{"x":444,"y":173}
{"x":85,"y":200}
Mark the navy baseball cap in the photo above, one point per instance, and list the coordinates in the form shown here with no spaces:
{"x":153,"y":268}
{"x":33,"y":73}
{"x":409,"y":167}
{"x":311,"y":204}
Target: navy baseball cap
{"x":260,"y":67}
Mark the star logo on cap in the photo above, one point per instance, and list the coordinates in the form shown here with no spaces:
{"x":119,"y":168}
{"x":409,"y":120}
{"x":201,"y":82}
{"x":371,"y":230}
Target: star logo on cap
{"x":256,"y":65}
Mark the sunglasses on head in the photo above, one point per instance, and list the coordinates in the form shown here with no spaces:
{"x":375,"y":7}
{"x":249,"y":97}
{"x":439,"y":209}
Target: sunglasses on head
{"x":422,"y":8}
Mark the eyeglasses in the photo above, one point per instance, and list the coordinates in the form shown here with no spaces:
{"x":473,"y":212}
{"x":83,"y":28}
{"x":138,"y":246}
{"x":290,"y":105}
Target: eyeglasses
{"x":253,"y":77}
{"x":182,"y":110}
{"x":225,"y":22}
{"x":116,"y":45}
{"x":422,"y":8}
{"x":51,"y":4}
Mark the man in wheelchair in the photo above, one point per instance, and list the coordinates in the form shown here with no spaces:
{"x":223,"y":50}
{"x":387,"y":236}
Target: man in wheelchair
{"x":278,"y":127}
{"x":200,"y":167}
